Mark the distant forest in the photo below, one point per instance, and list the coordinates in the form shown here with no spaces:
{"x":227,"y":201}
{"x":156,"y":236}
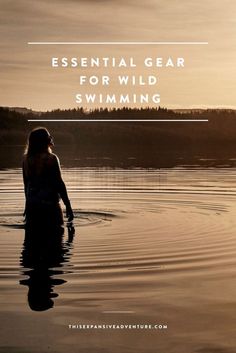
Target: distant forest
{"x":148,"y":144}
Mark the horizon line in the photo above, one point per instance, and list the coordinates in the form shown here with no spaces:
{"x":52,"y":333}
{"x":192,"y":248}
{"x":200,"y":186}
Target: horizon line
{"x":35,"y":110}
{"x":118,"y":120}
{"x":121,"y":43}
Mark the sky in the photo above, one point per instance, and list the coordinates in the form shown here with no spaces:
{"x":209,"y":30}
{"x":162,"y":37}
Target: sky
{"x":208,"y":78}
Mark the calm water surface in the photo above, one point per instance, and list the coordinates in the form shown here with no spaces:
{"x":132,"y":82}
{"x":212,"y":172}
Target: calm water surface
{"x":150,"y":247}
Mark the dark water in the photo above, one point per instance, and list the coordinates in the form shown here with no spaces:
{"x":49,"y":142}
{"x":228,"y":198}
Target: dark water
{"x":150,"y":247}
{"x":166,"y":157}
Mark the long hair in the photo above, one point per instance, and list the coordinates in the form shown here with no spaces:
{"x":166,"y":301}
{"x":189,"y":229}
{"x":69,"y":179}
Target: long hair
{"x":39,"y":140}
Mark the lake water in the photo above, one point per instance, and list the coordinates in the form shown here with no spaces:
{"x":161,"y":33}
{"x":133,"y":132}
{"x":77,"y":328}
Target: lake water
{"x":152,"y":247}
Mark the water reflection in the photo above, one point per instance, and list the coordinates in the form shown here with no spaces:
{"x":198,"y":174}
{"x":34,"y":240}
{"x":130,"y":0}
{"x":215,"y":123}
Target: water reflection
{"x":167,"y":235}
{"x":44,"y":251}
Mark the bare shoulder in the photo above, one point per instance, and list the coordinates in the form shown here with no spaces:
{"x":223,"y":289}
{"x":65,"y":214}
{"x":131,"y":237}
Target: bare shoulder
{"x":54,"y":160}
{"x":54,"y":157}
{"x":24,"y":160}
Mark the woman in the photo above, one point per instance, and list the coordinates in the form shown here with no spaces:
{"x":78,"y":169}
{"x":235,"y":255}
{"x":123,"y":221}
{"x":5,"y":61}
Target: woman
{"x":43,"y":182}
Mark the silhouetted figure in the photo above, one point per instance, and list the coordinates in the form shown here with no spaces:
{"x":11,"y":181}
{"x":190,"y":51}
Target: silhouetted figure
{"x":43,"y":256}
{"x":43,"y":182}
{"x":44,"y":249}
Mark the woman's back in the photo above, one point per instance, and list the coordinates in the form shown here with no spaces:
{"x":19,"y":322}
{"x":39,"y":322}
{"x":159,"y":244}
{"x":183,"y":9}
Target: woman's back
{"x":41,"y":178}
{"x":43,"y":182}
{"x":38,"y":165}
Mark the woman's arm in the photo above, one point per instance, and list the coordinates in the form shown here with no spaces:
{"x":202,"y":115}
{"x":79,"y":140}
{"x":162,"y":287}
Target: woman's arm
{"x":61,"y":187}
{"x":25,"y":179}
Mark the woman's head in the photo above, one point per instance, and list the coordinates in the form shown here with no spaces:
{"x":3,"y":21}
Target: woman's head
{"x":39,"y":141}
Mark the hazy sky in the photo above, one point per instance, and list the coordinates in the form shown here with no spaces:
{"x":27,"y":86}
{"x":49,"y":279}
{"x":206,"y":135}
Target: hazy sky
{"x":207,"y":80}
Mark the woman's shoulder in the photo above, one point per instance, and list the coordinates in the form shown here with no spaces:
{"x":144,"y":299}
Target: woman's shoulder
{"x":46,"y":159}
{"x":24,"y":161}
{"x":53,"y":159}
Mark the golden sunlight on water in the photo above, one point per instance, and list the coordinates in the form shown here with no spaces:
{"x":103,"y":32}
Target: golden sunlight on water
{"x":150,"y":247}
